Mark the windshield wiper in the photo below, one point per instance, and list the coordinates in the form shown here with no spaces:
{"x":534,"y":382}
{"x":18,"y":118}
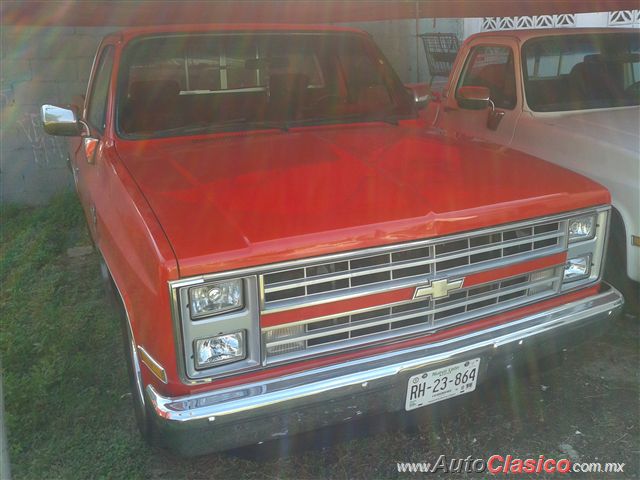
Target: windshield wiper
{"x":230,"y":125}
{"x":385,"y":117}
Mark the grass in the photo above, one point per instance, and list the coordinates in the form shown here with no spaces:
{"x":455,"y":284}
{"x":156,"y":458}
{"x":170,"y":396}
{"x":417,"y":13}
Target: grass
{"x":69,"y":409}
{"x":63,"y":371}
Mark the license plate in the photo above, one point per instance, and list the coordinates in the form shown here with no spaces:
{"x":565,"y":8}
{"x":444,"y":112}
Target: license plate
{"x":446,"y":382}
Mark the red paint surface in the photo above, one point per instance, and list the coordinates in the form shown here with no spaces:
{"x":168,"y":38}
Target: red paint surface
{"x":170,"y":208}
{"x":513,"y":270}
{"x":229,"y":202}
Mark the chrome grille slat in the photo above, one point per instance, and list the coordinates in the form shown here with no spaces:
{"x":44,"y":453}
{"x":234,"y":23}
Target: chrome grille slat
{"x":279,"y":286}
{"x":501,"y":246}
{"x":427,"y":324}
{"x":435,"y":259}
{"x":351,"y":275}
{"x":392,"y":318}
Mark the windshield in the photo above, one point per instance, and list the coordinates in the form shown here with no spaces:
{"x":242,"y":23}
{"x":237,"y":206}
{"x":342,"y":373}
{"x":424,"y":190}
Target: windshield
{"x":183,"y":84}
{"x":576,"y":72}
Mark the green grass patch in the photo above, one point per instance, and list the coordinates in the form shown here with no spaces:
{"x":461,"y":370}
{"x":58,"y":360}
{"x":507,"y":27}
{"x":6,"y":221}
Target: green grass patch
{"x":68,"y":412}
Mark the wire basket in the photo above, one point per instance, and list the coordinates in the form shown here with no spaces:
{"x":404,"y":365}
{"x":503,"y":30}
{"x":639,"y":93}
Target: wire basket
{"x":441,"y":50}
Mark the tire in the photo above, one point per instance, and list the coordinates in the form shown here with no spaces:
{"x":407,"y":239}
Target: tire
{"x":615,"y":270}
{"x":140,"y":407}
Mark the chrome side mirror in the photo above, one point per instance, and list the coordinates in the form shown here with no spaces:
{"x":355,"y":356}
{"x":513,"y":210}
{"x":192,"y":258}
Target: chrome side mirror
{"x":478,"y":98}
{"x":475,"y":97}
{"x":421,"y":93}
{"x":61,"y":121}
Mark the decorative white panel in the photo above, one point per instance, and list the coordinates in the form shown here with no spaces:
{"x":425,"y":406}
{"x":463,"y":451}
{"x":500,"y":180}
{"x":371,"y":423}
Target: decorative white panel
{"x":506,"y":23}
{"x":490,"y":23}
{"x":565,"y":20}
{"x":624,"y":17}
{"x":544,"y":21}
{"x":524,"y":22}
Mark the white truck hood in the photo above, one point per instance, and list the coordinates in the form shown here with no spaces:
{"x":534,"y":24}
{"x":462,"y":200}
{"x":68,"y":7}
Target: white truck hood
{"x":619,"y":127}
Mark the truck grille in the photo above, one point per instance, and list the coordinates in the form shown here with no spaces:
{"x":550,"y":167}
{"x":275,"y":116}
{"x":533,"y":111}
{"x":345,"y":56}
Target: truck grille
{"x":386,"y":269}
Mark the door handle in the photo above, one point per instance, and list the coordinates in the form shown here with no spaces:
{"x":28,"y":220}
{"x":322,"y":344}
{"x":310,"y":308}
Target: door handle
{"x":450,"y":109}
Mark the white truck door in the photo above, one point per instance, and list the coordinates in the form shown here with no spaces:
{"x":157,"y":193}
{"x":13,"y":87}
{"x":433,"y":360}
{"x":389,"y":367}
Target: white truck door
{"x":490,"y":63}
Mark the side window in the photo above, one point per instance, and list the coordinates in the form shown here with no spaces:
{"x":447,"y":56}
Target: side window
{"x":492,"y":67}
{"x":99,"y":91}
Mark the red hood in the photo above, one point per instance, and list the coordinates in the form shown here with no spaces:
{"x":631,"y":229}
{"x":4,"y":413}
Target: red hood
{"x":235,"y":201}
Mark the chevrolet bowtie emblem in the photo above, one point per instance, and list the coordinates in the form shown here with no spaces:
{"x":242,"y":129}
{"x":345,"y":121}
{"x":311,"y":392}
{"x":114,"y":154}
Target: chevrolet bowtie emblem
{"x":438,"y":288}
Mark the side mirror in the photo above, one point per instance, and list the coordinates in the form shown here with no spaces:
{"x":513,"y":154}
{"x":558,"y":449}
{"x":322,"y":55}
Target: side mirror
{"x":61,"y":121}
{"x":474,"y":97}
{"x":421,"y":93}
{"x":479,"y":98}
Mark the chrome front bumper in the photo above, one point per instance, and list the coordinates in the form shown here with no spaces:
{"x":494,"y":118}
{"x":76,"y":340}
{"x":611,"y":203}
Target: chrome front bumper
{"x":265,"y":410}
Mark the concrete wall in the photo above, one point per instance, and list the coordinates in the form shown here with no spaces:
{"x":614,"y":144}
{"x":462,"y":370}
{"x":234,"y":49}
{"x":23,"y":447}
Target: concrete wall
{"x":38,"y":65}
{"x":397,"y":40}
{"x":52,"y":65}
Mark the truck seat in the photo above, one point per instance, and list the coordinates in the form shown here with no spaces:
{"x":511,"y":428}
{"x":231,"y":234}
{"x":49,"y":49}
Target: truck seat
{"x":151,"y":106}
{"x":287,"y":95}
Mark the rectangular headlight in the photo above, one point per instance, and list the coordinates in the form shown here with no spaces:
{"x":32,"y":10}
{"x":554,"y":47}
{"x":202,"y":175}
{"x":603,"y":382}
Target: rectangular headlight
{"x":220,"y":349}
{"x":215,"y":298}
{"x":582,"y":228}
{"x":577,"y":268}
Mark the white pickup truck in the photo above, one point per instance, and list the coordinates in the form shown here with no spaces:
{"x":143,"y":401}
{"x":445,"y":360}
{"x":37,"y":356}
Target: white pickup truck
{"x":569,"y":96}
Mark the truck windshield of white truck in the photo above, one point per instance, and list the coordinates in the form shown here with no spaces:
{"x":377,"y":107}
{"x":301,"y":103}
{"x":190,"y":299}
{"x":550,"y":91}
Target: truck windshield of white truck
{"x":579,"y":72}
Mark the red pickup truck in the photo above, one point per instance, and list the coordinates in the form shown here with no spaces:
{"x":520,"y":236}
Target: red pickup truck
{"x":291,"y":247}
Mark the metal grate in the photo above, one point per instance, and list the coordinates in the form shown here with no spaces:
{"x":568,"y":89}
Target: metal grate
{"x":441,"y":50}
{"x":383,"y":269}
{"x":340,"y":331}
{"x":407,"y":265}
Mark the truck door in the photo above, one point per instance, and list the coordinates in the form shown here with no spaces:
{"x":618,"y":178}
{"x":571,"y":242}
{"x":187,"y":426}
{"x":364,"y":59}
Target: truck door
{"x":489,"y":65}
{"x":87,"y":156}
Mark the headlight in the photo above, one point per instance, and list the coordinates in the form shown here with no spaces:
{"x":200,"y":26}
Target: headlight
{"x":577,"y":268}
{"x":582,"y":228}
{"x":585,"y":248}
{"x":215,"y":298}
{"x":219,"y":350}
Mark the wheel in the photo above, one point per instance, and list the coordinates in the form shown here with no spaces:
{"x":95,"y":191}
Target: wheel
{"x":615,"y":270}
{"x":141,"y":409}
